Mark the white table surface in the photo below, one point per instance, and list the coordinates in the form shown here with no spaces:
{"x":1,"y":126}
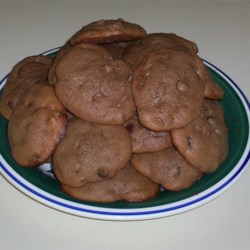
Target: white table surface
{"x":221,"y":30}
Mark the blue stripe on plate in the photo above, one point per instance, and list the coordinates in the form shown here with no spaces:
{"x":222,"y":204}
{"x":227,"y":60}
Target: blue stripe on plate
{"x":133,"y":213}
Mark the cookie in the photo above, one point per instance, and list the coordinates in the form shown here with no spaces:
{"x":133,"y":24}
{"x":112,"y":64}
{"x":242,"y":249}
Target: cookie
{"x":108,"y":31}
{"x":93,"y":86}
{"x":91,"y":152}
{"x":128,"y":185}
{"x":36,"y":126}
{"x":145,"y":140}
{"x":204,"y":142}
{"x":213,"y":91}
{"x":30,"y":67}
{"x":139,"y":49}
{"x":31,"y":70}
{"x":166,"y":167}
{"x":168,"y":89}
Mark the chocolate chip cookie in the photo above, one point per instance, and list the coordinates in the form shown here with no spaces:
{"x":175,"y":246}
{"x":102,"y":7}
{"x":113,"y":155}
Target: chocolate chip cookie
{"x":29,"y":71}
{"x":139,"y":49}
{"x":166,"y":167}
{"x":128,"y":185}
{"x":145,"y":140}
{"x":91,"y":152}
{"x":93,"y":86}
{"x":36,"y":126}
{"x":168,"y":89}
{"x":204,"y":142}
{"x":108,"y":31}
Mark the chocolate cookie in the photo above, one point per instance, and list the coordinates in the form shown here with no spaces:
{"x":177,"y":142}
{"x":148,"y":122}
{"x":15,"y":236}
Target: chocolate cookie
{"x":166,"y":167}
{"x":204,"y":142}
{"x":91,"y":152}
{"x":31,"y":70}
{"x":168,"y":89}
{"x":145,"y":140}
{"x":31,"y":67}
{"x":139,"y":49}
{"x":108,"y":31}
{"x":93,"y":86}
{"x":213,"y":91}
{"x":128,"y":185}
{"x":36,"y":126}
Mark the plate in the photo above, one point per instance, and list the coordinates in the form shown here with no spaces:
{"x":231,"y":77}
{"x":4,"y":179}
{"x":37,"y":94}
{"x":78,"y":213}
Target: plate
{"x":40,"y":184}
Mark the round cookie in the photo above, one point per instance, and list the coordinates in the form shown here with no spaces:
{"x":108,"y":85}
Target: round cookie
{"x":166,"y":167}
{"x":204,"y":142}
{"x":168,"y":89}
{"x":139,"y":49}
{"x":93,"y":86}
{"x":36,"y":126}
{"x":108,"y":31}
{"x":91,"y":152}
{"x":145,"y":140}
{"x":31,"y":70}
{"x":128,"y":185}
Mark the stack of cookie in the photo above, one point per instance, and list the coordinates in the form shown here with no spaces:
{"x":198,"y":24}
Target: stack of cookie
{"x":118,"y":112}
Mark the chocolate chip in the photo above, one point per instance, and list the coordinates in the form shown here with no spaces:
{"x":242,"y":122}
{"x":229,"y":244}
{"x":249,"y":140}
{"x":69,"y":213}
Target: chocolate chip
{"x":97,"y":96}
{"x":130,"y":127}
{"x":103,"y":173}
{"x":10,"y":104}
